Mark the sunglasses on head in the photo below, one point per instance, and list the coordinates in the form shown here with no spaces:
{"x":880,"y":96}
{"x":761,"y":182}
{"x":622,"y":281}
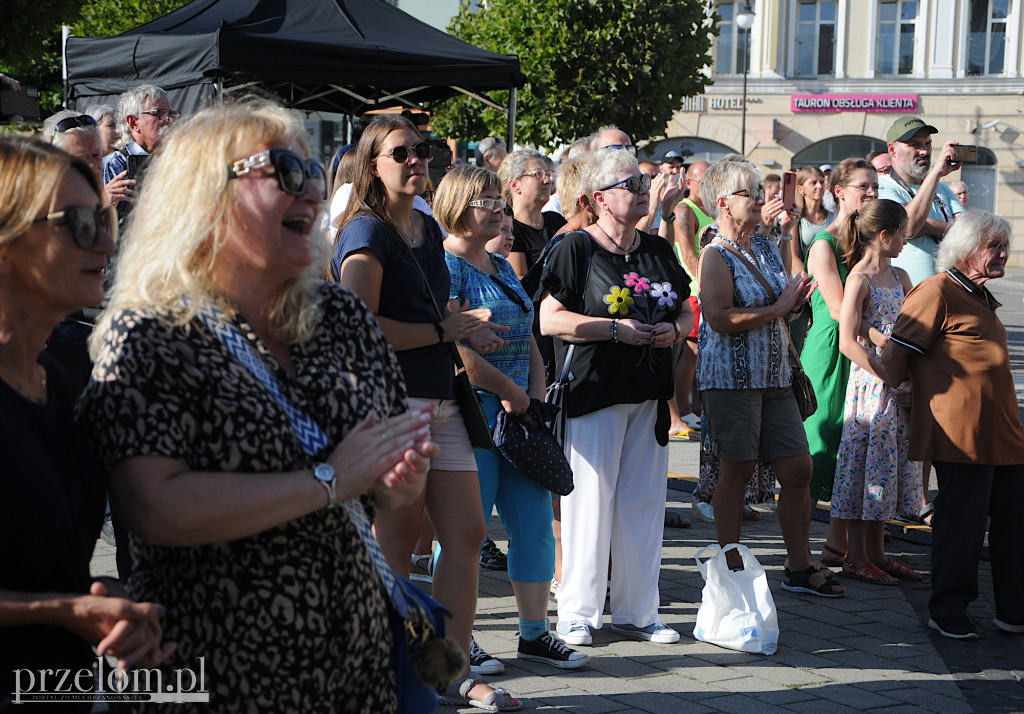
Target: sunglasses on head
{"x":85,"y":223}
{"x":632,"y":184}
{"x":401,"y":153}
{"x":82,"y":120}
{"x":292,"y":171}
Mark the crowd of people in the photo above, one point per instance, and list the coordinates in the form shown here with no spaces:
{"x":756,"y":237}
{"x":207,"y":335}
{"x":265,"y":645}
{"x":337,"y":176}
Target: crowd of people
{"x":182,"y":332}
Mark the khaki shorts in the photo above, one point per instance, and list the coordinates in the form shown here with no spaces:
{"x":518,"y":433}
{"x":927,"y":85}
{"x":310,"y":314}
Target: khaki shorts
{"x":744,"y":424}
{"x":448,"y":431}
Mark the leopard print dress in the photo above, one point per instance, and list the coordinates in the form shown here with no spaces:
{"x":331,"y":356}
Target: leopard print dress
{"x":293,"y":619}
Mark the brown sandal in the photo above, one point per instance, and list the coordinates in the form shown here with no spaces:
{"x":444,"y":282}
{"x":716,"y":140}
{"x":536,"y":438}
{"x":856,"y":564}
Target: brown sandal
{"x":869,"y":573}
{"x":836,"y":562}
{"x":901,"y":571}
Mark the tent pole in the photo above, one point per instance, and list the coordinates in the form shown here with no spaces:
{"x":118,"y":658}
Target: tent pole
{"x":511,"y":118}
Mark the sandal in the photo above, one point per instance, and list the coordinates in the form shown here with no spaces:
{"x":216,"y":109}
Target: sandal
{"x":491,"y":558}
{"x":749,"y":514}
{"x":836,"y":562}
{"x":674,"y":519}
{"x":800,"y":582}
{"x":420,"y":572}
{"x":869,"y":573}
{"x":553,"y":591}
{"x":457,"y":695}
{"x":901,"y":571}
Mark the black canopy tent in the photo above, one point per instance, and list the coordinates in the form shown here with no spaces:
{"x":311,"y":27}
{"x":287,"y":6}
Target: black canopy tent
{"x":346,"y":56}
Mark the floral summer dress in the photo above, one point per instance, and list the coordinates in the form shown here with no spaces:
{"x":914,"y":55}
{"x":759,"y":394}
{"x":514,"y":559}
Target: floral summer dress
{"x":875,"y":479}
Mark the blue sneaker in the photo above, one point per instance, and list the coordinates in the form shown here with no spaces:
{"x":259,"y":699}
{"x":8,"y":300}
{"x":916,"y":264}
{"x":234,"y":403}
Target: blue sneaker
{"x":656,"y":632}
{"x":574,"y":632}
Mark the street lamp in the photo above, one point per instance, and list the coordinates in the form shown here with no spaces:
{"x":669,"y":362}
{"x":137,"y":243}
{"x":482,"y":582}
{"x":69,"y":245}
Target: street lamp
{"x":745,"y":20}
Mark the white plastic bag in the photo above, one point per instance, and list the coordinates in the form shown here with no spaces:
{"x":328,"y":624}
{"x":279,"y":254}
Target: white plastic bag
{"x":737,"y":610}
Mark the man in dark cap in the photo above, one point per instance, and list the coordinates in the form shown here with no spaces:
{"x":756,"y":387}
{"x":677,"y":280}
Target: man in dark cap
{"x":914,"y":182}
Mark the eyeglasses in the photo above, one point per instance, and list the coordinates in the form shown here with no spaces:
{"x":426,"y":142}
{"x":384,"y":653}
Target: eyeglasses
{"x":754,"y":194}
{"x":85,"y":223}
{"x":163,"y":114}
{"x":540,"y":174}
{"x":863,"y":187}
{"x":613,"y":147}
{"x":80,"y":121}
{"x":488,"y":204}
{"x":633,"y":184}
{"x":511,"y":294}
{"x":884,"y":170}
{"x":401,"y":153}
{"x":291,"y":170}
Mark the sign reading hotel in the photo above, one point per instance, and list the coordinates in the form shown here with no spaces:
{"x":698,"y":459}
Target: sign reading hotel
{"x":902,"y":103}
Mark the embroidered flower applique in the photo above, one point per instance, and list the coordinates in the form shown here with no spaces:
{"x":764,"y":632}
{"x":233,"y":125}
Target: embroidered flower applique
{"x":619,"y":301}
{"x":665,"y":294}
{"x":635,"y":281}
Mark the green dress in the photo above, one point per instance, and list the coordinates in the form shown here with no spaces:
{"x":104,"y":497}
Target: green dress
{"x":829,"y":372}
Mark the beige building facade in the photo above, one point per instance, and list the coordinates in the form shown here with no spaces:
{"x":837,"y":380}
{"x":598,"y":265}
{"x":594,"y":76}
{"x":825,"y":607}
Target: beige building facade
{"x":827,"y":78}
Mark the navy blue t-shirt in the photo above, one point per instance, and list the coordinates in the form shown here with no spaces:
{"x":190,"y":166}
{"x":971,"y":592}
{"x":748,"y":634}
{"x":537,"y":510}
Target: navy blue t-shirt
{"x":428,"y":371}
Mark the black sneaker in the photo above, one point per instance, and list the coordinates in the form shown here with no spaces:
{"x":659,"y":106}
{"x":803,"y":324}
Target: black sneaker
{"x":549,"y":649}
{"x":482,"y":663}
{"x":956,"y":628}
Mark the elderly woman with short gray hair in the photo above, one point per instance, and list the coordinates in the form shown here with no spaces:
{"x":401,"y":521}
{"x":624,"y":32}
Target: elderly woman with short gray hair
{"x":78,"y":135}
{"x":744,"y":372}
{"x":964,"y":417}
{"x":618,"y":296}
{"x":526,"y":183}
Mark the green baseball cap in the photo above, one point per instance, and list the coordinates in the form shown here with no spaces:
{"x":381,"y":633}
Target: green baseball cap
{"x":906,"y":126}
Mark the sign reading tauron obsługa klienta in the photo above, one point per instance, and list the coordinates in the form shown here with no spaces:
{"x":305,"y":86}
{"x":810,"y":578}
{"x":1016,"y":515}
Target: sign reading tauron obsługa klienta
{"x":903,"y":103}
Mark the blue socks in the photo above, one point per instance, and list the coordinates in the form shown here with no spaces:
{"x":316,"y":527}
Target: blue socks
{"x":531,"y":630}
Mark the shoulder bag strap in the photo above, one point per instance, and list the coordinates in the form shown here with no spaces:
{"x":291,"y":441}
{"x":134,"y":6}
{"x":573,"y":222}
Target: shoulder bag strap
{"x":767,"y":287}
{"x":307,"y":431}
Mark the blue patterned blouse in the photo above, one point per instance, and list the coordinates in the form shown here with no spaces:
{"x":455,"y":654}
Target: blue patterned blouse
{"x":495,"y":293}
{"x":751,"y":359}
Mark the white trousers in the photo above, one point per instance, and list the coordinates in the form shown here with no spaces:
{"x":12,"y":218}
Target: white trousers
{"x":617,"y":507}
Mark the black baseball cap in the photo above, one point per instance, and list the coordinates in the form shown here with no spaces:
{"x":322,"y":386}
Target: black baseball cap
{"x":906,"y":126}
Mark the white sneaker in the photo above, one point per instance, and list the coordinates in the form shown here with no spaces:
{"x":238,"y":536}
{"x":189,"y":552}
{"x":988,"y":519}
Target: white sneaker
{"x":574,"y":632}
{"x":703,"y":511}
{"x":657,"y":632}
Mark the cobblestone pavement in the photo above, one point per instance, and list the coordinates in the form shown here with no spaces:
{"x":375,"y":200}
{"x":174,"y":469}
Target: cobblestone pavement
{"x":868,"y":651}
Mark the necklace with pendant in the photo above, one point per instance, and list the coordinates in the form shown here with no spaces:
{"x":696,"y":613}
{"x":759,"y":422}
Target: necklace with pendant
{"x":636,"y":237}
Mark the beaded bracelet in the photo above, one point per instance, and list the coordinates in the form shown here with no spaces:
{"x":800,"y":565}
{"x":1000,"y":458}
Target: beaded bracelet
{"x":615,"y":331}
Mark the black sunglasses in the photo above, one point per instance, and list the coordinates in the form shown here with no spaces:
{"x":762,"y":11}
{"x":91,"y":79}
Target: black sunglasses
{"x":85,"y":223}
{"x":511,"y":294}
{"x":401,"y":153}
{"x":292,"y":171}
{"x":80,"y":121}
{"x":632,"y":184}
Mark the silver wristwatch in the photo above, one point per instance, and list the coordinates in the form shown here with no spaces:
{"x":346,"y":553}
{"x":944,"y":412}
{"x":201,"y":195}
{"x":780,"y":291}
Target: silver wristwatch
{"x":325,"y":476}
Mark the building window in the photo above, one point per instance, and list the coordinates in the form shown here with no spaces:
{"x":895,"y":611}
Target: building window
{"x":896,"y":20}
{"x":816,"y":38}
{"x":986,"y":40}
{"x":732,"y":51}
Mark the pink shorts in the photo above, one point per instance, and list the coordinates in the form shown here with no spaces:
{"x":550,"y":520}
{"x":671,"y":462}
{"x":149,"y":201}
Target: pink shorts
{"x":448,"y":431}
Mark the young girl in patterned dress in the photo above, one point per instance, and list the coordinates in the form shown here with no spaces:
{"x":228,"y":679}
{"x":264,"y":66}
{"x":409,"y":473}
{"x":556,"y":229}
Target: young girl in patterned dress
{"x":874,"y":477}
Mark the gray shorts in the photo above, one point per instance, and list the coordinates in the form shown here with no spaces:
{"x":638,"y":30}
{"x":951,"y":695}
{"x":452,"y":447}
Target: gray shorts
{"x":744,"y":424}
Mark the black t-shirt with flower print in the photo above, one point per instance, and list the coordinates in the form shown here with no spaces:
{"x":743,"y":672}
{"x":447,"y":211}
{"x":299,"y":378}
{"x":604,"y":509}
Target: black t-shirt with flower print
{"x":650,"y":287}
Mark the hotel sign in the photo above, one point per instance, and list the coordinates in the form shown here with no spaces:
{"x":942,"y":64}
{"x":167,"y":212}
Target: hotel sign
{"x":902,"y":103}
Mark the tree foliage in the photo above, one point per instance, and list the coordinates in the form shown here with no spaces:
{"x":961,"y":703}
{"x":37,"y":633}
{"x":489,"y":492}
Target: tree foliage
{"x":30,"y":41}
{"x":588,"y":63}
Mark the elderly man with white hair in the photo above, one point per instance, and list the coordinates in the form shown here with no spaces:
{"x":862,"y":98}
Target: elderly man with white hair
{"x":490,"y":152}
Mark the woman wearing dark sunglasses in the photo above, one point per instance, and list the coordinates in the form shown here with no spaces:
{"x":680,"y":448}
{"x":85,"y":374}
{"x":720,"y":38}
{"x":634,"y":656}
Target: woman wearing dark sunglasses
{"x":619,"y":296}
{"x":234,"y":485}
{"x":392,"y":256}
{"x":54,"y":241}
{"x":470,"y":207}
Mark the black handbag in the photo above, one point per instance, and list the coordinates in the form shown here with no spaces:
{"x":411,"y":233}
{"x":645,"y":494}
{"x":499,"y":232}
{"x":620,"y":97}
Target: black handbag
{"x":528,"y":445}
{"x":469,"y":401}
{"x":803,"y":391}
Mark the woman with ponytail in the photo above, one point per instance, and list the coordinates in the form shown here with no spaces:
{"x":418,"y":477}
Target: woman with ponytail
{"x":875,"y":478}
{"x":854,"y":181}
